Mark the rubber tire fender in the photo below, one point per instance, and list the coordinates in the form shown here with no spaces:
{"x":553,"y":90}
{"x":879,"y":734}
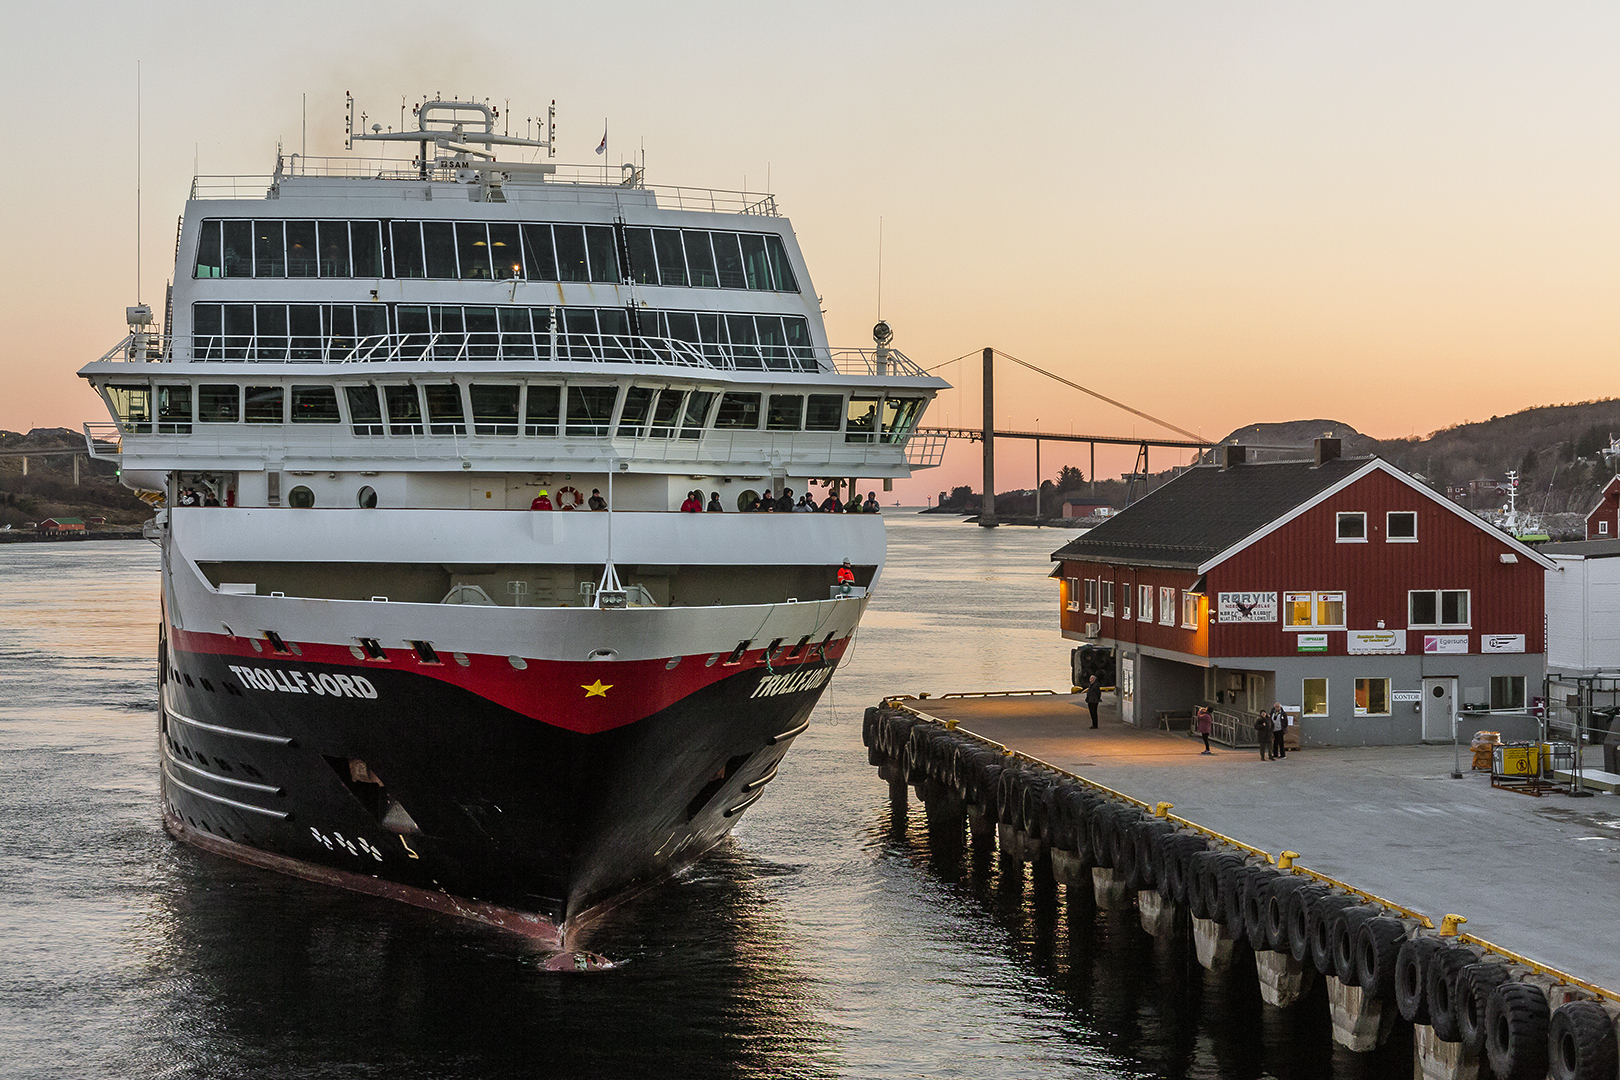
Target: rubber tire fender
{"x":1179,"y":863}
{"x":1231,"y":898}
{"x":1378,"y":943}
{"x":1474,"y":987}
{"x":1123,"y":834}
{"x":1581,"y":1043}
{"x":1199,"y":867}
{"x":1101,"y":822}
{"x":1282,"y":886}
{"x":1320,"y":928}
{"x":1256,"y":883}
{"x":1127,"y":856}
{"x":1412,"y":962}
{"x":1218,"y":872}
{"x":1297,"y":912}
{"x":1346,"y":925}
{"x":1517,"y":1023}
{"x":1443,"y":985}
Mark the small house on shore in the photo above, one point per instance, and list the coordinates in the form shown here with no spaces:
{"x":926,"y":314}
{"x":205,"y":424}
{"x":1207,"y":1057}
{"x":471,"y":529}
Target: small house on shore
{"x":61,"y":525}
{"x":1372,"y":607}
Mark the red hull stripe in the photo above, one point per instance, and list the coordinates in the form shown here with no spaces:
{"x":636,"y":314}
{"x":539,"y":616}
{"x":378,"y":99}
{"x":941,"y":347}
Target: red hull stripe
{"x":585,"y":696}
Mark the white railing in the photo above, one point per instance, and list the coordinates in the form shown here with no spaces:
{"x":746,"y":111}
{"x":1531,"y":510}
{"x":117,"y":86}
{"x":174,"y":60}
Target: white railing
{"x":509,"y":347}
{"x":103,"y":439}
{"x":925,"y":451}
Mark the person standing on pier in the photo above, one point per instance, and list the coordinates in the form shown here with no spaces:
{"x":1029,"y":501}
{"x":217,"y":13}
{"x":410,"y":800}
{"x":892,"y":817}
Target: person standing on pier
{"x":1262,"y":734}
{"x":1093,"y":697}
{"x":1203,"y":723}
{"x":1279,"y":725}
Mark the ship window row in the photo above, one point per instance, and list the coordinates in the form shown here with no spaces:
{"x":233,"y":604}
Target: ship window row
{"x":305,"y":332}
{"x":493,"y":251}
{"x":512,"y":408}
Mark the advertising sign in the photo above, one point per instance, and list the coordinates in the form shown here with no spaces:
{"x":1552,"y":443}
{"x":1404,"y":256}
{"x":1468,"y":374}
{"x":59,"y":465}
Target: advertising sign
{"x":1445,"y":643}
{"x":1376,"y":641}
{"x":1501,"y":643}
{"x":1250,"y":607}
{"x":1312,"y":643}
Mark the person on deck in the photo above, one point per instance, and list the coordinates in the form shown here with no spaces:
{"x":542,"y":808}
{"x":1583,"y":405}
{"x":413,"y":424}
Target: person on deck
{"x":871,"y":506}
{"x":784,"y":502}
{"x":596,"y":502}
{"x":846,"y":577}
{"x":714,"y":503}
{"x":1093,"y":697}
{"x":541,"y":501}
{"x":829,"y":505}
{"x":693,"y":504}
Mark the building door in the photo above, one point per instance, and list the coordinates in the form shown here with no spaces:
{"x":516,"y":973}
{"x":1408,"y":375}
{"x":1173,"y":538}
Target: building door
{"x":1439,"y":709}
{"x":1256,"y":695}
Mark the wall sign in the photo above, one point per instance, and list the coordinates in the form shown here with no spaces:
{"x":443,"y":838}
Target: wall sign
{"x":1445,"y":643}
{"x":1246,"y":607}
{"x":1501,"y":643}
{"x":1312,"y":643}
{"x":1406,"y":695}
{"x":1376,"y":641}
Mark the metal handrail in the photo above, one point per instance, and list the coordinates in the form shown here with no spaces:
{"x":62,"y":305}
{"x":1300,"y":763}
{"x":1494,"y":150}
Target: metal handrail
{"x":556,"y":346}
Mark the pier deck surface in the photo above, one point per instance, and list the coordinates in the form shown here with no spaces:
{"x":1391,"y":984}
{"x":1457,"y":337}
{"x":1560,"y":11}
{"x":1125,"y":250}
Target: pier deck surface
{"x":1537,"y":876}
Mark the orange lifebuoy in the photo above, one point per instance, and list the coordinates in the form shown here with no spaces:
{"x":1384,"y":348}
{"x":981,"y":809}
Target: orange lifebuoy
{"x":568,"y":498}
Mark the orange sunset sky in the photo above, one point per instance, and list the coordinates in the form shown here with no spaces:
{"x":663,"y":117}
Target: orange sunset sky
{"x":1399,"y":216}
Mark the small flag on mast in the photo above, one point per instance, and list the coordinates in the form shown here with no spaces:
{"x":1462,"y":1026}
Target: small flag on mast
{"x":601,"y":148}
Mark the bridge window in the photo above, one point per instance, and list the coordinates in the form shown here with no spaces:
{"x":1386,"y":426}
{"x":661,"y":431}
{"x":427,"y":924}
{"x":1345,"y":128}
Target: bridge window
{"x":483,"y":341}
{"x":302,"y":255}
{"x":899,"y":416}
{"x":540,"y":257}
{"x":219,"y":404}
{"x":700,"y":259}
{"x":798,"y":338}
{"x":772,"y":342}
{"x":666,"y":410}
{"x":505,"y":251}
{"x":264,"y":405}
{"x":365,"y":414}
{"x":365,"y":249}
{"x":271,"y":336}
{"x":334,"y":247}
{"x":314,"y":405}
{"x":637,"y":407}
{"x":174,"y":409}
{"x":304,"y":326}
{"x":738,"y":411}
{"x":697,"y":411}
{"x":756,"y":268}
{"x":786,"y":412}
{"x":671,"y":260}
{"x":238,"y":326}
{"x":570,"y":242}
{"x":494,"y":408}
{"x":744,"y":341}
{"x":824,"y":412}
{"x":206,"y":327}
{"x":444,"y":411}
{"x":604,"y":256}
{"x":781,"y":270}
{"x":238,"y":255}
{"x":542,"y":409}
{"x":209,"y":262}
{"x":590,"y":408}
{"x":861,"y":417}
{"x":729,"y":261}
{"x":472,"y":250}
{"x":404,"y":410}
{"x":269,"y":249}
{"x":638,"y":245}
{"x":407,"y":249}
{"x":439,"y":248}
{"x":517,"y":338}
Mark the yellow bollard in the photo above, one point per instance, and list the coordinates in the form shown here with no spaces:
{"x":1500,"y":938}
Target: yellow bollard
{"x":1163,"y":809}
{"x":950,"y":725}
{"x":1449,"y":923}
{"x":1286,"y":859}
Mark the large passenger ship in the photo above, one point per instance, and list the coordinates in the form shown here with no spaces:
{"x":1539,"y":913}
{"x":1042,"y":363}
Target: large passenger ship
{"x":384,"y":664}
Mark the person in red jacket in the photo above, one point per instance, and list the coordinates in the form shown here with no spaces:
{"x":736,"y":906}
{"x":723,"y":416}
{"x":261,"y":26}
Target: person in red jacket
{"x":846,"y":578}
{"x":542,"y":501}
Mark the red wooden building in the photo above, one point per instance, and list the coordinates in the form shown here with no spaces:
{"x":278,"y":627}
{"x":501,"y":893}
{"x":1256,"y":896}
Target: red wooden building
{"x":1365,"y":602}
{"x":1603,"y":523}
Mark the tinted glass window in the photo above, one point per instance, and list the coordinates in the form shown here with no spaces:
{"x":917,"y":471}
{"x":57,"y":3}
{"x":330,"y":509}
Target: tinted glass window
{"x":302,"y":258}
{"x":570,"y":241}
{"x":238,"y":330}
{"x":340,"y":333}
{"x":481,"y":332}
{"x":738,"y":411}
{"x":206,"y":326}
{"x":365,"y":240}
{"x":445,"y":416}
{"x":699,"y":259}
{"x":781,"y":270}
{"x":798,"y":339}
{"x":272,"y":331}
{"x":238,"y":256}
{"x":209,"y":264}
{"x":472,"y":250}
{"x":671,"y":260}
{"x":666,"y":410}
{"x":304,"y":325}
{"x":365,"y":414}
{"x":899,"y":416}
{"x":744,"y":340}
{"x":495,"y":409}
{"x":174,"y":409}
{"x":439,"y":247}
{"x":406,"y":237}
{"x":639,"y":246}
{"x":263,"y":405}
{"x":756,"y":270}
{"x":370,"y":324}
{"x":541,"y":264}
{"x":505,"y":251}
{"x":729,"y":261}
{"x":637,"y":407}
{"x":697,"y":411}
{"x":404,"y":410}
{"x":269,"y":249}
{"x":314,"y":405}
{"x":541,"y":409}
{"x":682,"y":325}
{"x":580,"y":325}
{"x":334,"y":246}
{"x":517,"y":341}
{"x":604,"y":257}
{"x":219,"y":404}
{"x":824,"y":412}
{"x":786,"y":412}
{"x":862,"y":419}
{"x":590,"y":408}
{"x":772,"y":341}
{"x":133,"y":407}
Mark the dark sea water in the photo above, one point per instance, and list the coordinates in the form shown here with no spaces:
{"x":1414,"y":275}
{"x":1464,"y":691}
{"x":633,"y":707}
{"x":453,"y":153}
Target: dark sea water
{"x":827,"y":938}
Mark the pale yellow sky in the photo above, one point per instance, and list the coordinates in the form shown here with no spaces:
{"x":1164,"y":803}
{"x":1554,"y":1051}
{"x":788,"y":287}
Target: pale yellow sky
{"x":1400,"y":216}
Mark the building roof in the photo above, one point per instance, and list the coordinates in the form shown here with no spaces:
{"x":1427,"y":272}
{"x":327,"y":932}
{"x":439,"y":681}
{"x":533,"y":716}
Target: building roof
{"x":1209,"y":513}
{"x":1586,"y":549}
{"x":1206,"y":510}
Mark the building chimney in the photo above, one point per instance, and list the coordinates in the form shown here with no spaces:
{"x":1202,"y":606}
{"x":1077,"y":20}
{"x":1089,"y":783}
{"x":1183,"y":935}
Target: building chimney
{"x":1230,"y":454}
{"x":1327,"y":449}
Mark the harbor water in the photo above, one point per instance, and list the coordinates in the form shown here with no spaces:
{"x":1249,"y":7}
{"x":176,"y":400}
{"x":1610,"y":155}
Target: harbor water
{"x":826,"y":938}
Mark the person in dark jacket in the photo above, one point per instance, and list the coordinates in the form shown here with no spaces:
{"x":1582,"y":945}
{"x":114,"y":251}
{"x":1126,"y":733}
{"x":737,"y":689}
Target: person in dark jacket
{"x":1093,"y":698}
{"x":1279,"y":726}
{"x":714,"y":503}
{"x":1262,"y":734}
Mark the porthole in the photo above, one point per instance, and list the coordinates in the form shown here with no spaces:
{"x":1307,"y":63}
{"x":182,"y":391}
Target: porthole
{"x":255,"y":643}
{"x":300,"y":498}
{"x":674,"y":662}
{"x":517,"y":662}
{"x":461,"y":658}
{"x":746,"y":496}
{"x":711,"y":661}
{"x":1439,"y":691}
{"x":357,"y":652}
{"x":366,"y":497}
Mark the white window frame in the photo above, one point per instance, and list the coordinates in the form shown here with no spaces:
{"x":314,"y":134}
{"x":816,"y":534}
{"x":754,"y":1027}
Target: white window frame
{"x":1108,"y":598}
{"x":1389,"y":533}
{"x":1303,"y":699}
{"x":1316,"y":599}
{"x":1167,"y":606}
{"x":1091,"y":596}
{"x":1439,"y":609}
{"x":1144,"y":612}
{"x":1388,"y":704}
{"x":1074,"y":593}
{"x":1603,"y":526}
{"x":1338,"y":527}
{"x":1189,"y":610}
{"x":1124,"y":601}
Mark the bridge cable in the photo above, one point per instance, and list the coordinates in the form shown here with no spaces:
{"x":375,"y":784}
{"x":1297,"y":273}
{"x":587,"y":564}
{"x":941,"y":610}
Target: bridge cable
{"x":1101,"y":397}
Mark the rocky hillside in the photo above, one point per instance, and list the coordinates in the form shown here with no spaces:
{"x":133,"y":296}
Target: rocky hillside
{"x":47,"y":489}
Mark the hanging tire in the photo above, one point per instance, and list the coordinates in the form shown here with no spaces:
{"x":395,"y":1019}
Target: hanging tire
{"x":1517,"y":1022}
{"x":1282,"y":886}
{"x":1321,"y":918}
{"x":1199,"y":865}
{"x":1378,"y":943}
{"x":1256,"y":883}
{"x":1346,"y":925}
{"x":1102,"y":835}
{"x":1230,"y":897}
{"x":1412,"y":975}
{"x":1581,"y":1043}
{"x":1297,"y":914}
{"x":1443,"y":986}
{"x":1474,"y":987}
